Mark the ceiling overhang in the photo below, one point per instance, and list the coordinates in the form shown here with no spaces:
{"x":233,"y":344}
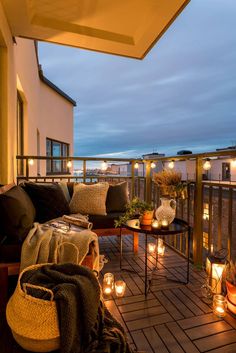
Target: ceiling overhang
{"x":122,"y":27}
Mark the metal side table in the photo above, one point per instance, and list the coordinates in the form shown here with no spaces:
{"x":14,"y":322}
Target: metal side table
{"x":178,"y":226}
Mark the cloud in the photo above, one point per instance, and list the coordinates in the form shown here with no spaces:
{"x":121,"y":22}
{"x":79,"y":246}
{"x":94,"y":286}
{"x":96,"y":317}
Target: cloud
{"x":182,"y":95}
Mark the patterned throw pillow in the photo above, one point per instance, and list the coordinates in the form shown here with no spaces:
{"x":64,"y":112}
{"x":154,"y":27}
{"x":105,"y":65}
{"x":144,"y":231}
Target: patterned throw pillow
{"x":89,"y":199}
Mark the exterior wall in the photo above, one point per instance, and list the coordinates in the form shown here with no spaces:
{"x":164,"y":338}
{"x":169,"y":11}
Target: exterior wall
{"x":7,"y":97}
{"x":45,"y":110}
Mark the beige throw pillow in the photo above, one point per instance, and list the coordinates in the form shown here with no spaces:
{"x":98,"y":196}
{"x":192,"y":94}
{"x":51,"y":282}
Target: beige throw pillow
{"x":89,"y":199}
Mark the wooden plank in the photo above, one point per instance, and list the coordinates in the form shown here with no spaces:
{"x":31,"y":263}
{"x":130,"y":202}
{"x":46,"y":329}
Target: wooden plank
{"x":133,"y":299}
{"x":207,"y":330}
{"x":204,"y":307}
{"x":155,"y":340}
{"x":143,"y":313}
{"x":149,"y":321}
{"x":172,"y":310}
{"x":189,"y":303}
{"x":231,"y":348}
{"x":178,"y":303}
{"x":140,"y":305}
{"x":141,"y":342}
{"x":168,"y":339}
{"x":216,"y":341}
{"x":181,"y":337}
{"x":198,"y":321}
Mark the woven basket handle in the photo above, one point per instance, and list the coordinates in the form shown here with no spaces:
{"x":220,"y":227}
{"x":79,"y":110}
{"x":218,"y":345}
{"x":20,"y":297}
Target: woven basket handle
{"x":57,"y":251}
{"x":29,"y":285}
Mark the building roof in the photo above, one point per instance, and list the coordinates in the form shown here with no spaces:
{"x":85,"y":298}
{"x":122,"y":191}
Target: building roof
{"x":54,"y":87}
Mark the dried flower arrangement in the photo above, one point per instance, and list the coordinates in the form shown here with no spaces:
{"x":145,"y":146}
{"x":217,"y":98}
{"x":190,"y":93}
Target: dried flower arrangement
{"x":170,"y":183}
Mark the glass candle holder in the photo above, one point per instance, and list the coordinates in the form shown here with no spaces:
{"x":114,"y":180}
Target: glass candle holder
{"x":120,"y":288}
{"x":108,"y":283}
{"x":155,"y":223}
{"x":151,"y":248}
{"x":164,"y":223}
{"x":219,"y":305}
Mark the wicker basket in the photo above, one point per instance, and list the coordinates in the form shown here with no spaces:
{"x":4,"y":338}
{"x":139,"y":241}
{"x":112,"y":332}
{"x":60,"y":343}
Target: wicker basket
{"x":34,"y":322}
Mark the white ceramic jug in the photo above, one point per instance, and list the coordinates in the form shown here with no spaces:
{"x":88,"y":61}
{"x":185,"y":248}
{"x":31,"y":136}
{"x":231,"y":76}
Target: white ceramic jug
{"x":166,"y":212}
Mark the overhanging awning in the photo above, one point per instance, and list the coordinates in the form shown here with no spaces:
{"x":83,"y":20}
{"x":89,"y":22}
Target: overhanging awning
{"x":123,"y":27}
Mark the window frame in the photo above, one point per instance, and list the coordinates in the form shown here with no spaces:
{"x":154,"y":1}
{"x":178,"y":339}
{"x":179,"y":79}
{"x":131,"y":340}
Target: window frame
{"x":64,"y":170}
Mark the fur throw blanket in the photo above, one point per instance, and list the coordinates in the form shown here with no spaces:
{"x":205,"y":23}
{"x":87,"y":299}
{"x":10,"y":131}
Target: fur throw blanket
{"x":44,"y":245}
{"x":86,"y":326}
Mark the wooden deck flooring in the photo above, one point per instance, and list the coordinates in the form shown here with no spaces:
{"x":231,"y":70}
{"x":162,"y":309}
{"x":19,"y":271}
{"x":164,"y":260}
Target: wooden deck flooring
{"x":174,"y":318}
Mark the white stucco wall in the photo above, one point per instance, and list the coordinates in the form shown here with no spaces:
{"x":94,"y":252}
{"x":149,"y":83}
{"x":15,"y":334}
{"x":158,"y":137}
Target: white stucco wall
{"x":45,"y":110}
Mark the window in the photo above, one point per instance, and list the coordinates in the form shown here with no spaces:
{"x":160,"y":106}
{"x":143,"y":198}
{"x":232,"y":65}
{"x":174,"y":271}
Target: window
{"x":20,"y":133}
{"x":226,"y":171}
{"x":57,"y":149}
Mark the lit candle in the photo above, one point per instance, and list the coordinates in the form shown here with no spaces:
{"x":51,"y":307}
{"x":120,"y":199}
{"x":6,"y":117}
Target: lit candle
{"x":164,"y":223}
{"x":155,"y":223}
{"x":160,"y":247}
{"x":108,"y":283}
{"x":151,"y":248}
{"x":219,"y":305}
{"x":120,"y":288}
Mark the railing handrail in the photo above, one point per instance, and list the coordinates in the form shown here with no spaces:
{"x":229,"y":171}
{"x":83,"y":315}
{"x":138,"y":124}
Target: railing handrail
{"x":223,"y":153}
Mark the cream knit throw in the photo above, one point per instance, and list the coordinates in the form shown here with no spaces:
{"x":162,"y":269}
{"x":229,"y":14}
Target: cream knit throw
{"x":43,"y":245}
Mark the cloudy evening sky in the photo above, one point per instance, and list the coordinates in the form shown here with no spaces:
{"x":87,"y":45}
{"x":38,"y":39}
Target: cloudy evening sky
{"x":181,"y":96}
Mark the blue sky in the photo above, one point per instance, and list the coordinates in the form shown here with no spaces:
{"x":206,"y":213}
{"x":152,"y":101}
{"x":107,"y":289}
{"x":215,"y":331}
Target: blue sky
{"x":181,"y":96}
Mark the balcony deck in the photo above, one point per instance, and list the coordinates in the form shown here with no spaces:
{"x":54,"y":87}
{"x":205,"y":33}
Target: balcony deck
{"x":173,"y":319}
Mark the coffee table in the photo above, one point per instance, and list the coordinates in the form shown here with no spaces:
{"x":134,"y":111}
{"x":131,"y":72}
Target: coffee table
{"x":178,"y":226}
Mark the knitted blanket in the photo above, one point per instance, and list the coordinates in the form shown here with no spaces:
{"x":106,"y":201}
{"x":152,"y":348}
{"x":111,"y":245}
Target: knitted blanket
{"x":44,"y":245}
{"x":86,"y":326}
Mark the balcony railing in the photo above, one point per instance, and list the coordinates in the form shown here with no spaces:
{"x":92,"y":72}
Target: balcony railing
{"x":209,"y":207}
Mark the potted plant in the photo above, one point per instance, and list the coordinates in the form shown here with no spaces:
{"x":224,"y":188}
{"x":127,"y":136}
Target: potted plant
{"x":137,"y":208}
{"x":231,"y":286}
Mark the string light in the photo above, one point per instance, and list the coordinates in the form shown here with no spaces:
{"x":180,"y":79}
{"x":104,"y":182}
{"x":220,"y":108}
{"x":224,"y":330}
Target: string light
{"x":69,"y":164}
{"x":207,"y":165}
{"x":104,"y":165}
{"x":153,"y":165}
{"x":233,"y":163}
{"x":136,"y":165}
{"x":31,"y":162}
{"x":171,"y":164}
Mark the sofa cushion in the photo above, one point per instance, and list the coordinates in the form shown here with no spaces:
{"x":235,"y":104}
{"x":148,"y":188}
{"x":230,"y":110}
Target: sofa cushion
{"x":48,"y":199}
{"x":89,"y":199}
{"x":17,"y":213}
{"x":104,"y":222}
{"x":117,"y":197}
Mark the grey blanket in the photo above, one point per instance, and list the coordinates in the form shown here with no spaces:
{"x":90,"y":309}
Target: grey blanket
{"x":43,"y":245}
{"x":86,"y":326}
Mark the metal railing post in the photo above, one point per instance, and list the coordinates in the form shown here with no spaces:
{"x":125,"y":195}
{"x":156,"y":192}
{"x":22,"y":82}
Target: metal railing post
{"x":84,"y":170}
{"x":198,"y":230}
{"x":132,"y":180}
{"x":148,"y":181}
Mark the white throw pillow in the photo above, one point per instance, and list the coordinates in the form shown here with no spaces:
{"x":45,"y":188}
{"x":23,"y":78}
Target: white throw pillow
{"x":89,"y":199}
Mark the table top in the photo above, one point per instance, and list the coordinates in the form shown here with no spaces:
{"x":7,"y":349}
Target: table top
{"x":176,"y":227}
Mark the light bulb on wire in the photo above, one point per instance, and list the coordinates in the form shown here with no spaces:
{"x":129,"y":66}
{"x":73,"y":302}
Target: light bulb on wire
{"x":171,"y":164}
{"x":104,"y":165}
{"x":207,"y":165}
{"x":153,"y":165}
{"x":136,"y":165}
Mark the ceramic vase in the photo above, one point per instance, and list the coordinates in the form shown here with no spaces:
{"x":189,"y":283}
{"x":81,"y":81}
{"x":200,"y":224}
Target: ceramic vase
{"x":166,"y":212}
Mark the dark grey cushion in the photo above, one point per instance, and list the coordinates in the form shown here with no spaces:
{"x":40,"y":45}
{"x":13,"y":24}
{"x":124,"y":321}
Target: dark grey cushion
{"x":48,"y":199}
{"x":117,"y":197}
{"x":17,"y":214}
